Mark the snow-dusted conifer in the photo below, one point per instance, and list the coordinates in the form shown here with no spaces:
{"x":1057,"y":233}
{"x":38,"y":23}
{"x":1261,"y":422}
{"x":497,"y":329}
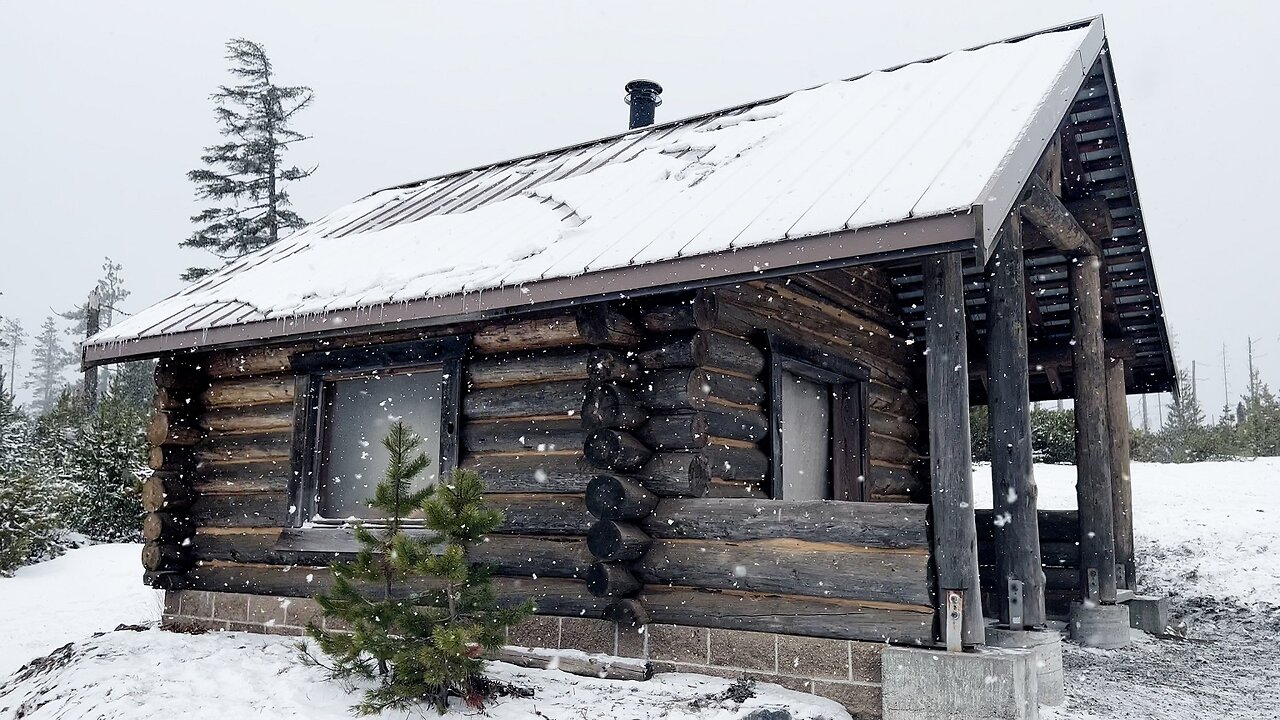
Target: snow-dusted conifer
{"x":420,"y":615}
{"x":48,"y":359}
{"x":245,"y":176}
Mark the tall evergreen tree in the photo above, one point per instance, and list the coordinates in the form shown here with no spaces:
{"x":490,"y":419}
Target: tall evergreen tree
{"x":111,"y":292}
{"x":245,"y":176}
{"x":14,"y":338}
{"x":1185,"y":438}
{"x":48,"y":359}
{"x":1258,"y":432}
{"x":420,"y":642}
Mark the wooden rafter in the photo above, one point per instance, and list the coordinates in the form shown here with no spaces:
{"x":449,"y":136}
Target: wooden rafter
{"x":1046,"y":212}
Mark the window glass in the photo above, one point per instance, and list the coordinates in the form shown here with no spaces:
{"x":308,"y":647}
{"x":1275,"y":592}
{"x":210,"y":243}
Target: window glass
{"x":358,"y":412}
{"x":805,"y":428}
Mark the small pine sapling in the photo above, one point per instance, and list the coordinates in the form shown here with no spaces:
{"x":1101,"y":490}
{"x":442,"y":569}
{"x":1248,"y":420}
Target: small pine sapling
{"x":419,"y":615}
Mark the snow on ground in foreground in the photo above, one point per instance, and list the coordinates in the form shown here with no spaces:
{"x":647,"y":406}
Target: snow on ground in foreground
{"x":69,"y":598}
{"x":1202,"y":530}
{"x":155,"y":674}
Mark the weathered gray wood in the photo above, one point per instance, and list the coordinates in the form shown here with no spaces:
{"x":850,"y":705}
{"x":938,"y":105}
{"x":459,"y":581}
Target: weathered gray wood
{"x":562,"y":398}
{"x":241,"y":509}
{"x":707,"y":349}
{"x":262,"y":361}
{"x":885,"y":525}
{"x":675,"y":474}
{"x":269,"y":390}
{"x":789,"y":614}
{"x":1121,"y":486}
{"x":698,"y":390}
{"x":173,"y":428}
{"x":735,"y":462}
{"x":694,"y":430}
{"x":616,"y":450}
{"x":1013,"y":483}
{"x":819,"y":569}
{"x":955,"y":542}
{"x":541,"y":366}
{"x":616,"y":498}
{"x":167,"y":490}
{"x":562,"y":471}
{"x":612,"y":405}
{"x":602,"y":325}
{"x":522,"y":434}
{"x":609,"y":668}
{"x":160,"y":557}
{"x":246,"y":420}
{"x":606,"y":364}
{"x":1055,"y":525}
{"x":1054,"y":220}
{"x":668,"y":316}
{"x":1093,"y":444}
{"x":541,"y":514}
{"x":613,"y":540}
{"x":1053,"y":553}
{"x":895,"y":401}
{"x":171,"y":457}
{"x":245,"y":448}
{"x":611,"y":579}
{"x":887,"y":425}
{"x":533,"y":556}
{"x":526,"y":334}
{"x":234,"y":477}
{"x":166,"y":528}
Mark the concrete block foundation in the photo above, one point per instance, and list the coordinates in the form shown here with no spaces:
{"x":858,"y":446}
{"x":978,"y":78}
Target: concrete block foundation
{"x":1046,"y":657}
{"x":1099,"y":626}
{"x":991,"y":684}
{"x":1150,"y":614}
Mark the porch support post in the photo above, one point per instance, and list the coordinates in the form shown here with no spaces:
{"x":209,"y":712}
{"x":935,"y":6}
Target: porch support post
{"x":955,"y":537}
{"x":1093,"y":444}
{"x":1121,"y":488}
{"x":1019,"y":572}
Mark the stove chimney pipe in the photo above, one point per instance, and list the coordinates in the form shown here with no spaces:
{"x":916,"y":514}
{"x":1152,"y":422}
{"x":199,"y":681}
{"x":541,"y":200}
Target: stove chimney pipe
{"x":644,"y":96}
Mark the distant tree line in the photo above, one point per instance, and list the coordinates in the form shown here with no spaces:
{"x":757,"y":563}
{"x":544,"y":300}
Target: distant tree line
{"x":1251,"y":429}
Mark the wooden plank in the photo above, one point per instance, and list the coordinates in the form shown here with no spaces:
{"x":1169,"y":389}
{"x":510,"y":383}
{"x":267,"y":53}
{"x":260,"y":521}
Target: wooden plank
{"x":600,"y":666}
{"x":241,"y":509}
{"x":955,"y":542}
{"x":562,"y":398}
{"x":789,"y":614}
{"x":529,"y":367}
{"x":270,"y":390}
{"x":1017,"y":541}
{"x":819,"y":569}
{"x":562,"y":471}
{"x":523,"y":434}
{"x":541,"y":514}
{"x":1121,"y":486}
{"x":253,"y":419}
{"x":1093,"y":444}
{"x":884,"y":525}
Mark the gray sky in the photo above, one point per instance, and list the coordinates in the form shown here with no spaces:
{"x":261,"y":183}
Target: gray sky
{"x":106,"y":107}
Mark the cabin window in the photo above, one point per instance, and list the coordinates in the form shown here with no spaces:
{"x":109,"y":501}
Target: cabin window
{"x":818,"y":425}
{"x":348,"y":401}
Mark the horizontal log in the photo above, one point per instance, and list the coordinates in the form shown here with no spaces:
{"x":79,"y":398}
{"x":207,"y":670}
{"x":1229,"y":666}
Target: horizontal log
{"x":562,"y":471}
{"x":735,"y":462}
{"x":675,"y":474}
{"x":271,"y":390}
{"x":902,"y":428}
{"x":237,"y":477}
{"x":612,"y":405}
{"x":887,"y":479}
{"x":614,"y":540}
{"x":789,"y":614}
{"x":606,"y":364}
{"x":698,"y":390}
{"x":709,"y":350}
{"x":246,"y":448}
{"x":247,"y":420}
{"x":542,"y":366}
{"x":892,"y":400}
{"x":798,"y":567}
{"x":241,"y":509}
{"x":883,"y":525}
{"x":167,"y":490}
{"x":721,"y":488}
{"x":600,"y":324}
{"x":693,"y":430}
{"x":858,"y":297}
{"x":611,"y":579}
{"x":1052,"y":554}
{"x":181,"y":374}
{"x":168,"y":399}
{"x":1055,"y":525}
{"x":520,"y":434}
{"x":158,"y":557}
{"x":551,"y":596}
{"x":171,"y":458}
{"x":615,"y":498}
{"x":606,"y":667}
{"x":890,"y":450}
{"x":528,"y":334}
{"x":534,"y":556}
{"x":1047,"y":213}
{"x":668,"y":316}
{"x":1055,"y":578}
{"x":535,"y":400}
{"x":173,"y":428}
{"x":252,"y":545}
{"x":260,"y":361}
{"x":166,"y":528}
{"x":616,"y":450}
{"x":535,"y":514}
{"x":788,"y":300}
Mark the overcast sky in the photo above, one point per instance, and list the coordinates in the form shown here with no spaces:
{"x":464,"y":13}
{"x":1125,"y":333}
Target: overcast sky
{"x":106,"y":107}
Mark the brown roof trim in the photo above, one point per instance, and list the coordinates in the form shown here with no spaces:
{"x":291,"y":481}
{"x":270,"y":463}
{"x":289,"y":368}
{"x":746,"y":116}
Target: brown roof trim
{"x":937,"y":233}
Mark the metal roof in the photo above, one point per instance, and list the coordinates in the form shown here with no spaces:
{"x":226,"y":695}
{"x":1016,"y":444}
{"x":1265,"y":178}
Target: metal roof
{"x":926,"y":155}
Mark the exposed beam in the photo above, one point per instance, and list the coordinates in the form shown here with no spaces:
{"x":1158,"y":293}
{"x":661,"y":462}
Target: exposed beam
{"x":1121,"y":487}
{"x":1047,"y":213}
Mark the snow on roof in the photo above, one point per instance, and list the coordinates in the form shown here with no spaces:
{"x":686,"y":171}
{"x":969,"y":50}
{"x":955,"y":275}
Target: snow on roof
{"x":935,"y":139}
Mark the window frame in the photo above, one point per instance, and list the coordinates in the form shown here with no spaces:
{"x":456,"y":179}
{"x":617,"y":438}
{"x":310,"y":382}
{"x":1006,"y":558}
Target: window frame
{"x":848,"y":382}
{"x":315,"y":369}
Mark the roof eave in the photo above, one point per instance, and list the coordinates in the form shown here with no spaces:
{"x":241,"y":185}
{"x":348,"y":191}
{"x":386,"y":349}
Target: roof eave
{"x":912,"y":236}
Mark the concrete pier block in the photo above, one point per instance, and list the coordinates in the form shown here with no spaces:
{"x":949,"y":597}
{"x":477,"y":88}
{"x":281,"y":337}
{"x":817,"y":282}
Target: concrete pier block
{"x":1046,"y":656}
{"x":1150,"y":614}
{"x":1099,"y":626}
{"x":990,"y":684}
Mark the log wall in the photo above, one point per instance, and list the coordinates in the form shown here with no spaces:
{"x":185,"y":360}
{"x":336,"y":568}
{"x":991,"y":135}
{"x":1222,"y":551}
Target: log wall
{"x":1059,"y":553}
{"x":627,"y":448}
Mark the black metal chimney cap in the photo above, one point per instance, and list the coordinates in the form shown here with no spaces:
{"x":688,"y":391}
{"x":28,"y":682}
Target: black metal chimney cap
{"x":643,"y":96}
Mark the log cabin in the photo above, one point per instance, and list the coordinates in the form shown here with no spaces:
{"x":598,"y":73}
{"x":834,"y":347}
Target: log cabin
{"x":716,"y":372}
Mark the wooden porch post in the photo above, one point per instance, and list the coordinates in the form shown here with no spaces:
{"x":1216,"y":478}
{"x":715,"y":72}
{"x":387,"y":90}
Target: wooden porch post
{"x":1093,"y":445}
{"x":955,"y":536}
{"x":1121,"y":487}
{"x":1017,"y":536}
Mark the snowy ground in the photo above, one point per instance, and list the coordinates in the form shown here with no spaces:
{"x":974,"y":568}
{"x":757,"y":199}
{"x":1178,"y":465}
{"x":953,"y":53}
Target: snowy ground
{"x":1208,"y":535}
